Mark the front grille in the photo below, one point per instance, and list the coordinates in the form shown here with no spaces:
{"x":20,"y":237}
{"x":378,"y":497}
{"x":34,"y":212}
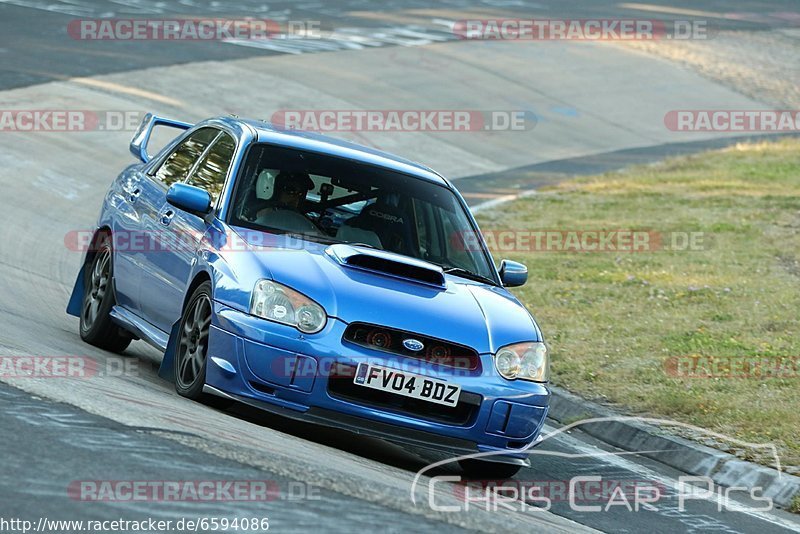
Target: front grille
{"x":436,"y":351}
{"x":340,"y":385}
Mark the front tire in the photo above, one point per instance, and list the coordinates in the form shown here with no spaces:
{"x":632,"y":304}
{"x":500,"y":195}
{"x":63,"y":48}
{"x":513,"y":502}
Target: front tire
{"x":96,"y":326}
{"x":192,"y":347}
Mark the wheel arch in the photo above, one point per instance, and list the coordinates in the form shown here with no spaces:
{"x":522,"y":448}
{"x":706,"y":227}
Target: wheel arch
{"x":166,"y":370}
{"x":199,"y":278}
{"x":74,"y":303}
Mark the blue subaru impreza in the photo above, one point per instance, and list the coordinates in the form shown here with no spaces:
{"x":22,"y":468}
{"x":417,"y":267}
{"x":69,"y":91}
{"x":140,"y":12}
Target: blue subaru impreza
{"x":320,"y":280}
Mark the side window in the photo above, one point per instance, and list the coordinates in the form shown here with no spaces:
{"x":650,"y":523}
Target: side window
{"x":178,"y":164}
{"x":210,"y":174}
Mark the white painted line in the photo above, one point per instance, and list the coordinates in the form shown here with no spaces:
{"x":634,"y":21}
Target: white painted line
{"x":128,"y":90}
{"x":489,"y":204}
{"x":672,"y":10}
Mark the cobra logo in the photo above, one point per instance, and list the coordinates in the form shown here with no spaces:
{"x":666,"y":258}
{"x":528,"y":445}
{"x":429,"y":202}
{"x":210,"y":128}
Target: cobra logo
{"x":386,"y":216}
{"x":413,"y":345}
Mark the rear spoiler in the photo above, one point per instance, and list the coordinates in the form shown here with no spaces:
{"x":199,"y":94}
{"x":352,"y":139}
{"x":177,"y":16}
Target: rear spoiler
{"x":142,"y":136}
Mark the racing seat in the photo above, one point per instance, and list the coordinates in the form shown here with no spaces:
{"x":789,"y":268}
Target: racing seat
{"x":259,"y":196}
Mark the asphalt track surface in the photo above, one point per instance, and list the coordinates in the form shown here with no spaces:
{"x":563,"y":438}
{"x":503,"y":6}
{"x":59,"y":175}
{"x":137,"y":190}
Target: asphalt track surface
{"x":132,"y":426}
{"x":36,"y":47}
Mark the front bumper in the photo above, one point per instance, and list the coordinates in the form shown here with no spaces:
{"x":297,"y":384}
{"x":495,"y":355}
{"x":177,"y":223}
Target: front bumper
{"x":278,"y":369}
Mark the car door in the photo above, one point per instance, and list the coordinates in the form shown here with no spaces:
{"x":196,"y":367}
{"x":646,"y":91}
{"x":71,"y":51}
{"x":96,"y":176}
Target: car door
{"x":159,"y":254}
{"x":127,"y":226}
{"x":180,"y":232}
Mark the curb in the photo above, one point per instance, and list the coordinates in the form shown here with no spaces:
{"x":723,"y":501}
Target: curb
{"x":682,"y":454}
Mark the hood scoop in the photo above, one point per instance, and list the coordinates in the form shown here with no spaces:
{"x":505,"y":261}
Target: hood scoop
{"x":387,"y":264}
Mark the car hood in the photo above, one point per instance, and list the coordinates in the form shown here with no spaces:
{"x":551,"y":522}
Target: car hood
{"x":481,"y":316}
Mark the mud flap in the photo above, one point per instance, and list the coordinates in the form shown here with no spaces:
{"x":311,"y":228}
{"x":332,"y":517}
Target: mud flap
{"x":167,"y":369}
{"x":76,"y":299}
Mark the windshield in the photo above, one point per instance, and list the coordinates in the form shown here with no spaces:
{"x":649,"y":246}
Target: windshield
{"x":335,"y":200}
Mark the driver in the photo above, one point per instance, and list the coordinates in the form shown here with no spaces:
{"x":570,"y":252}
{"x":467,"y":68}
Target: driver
{"x":285,"y":211}
{"x":291,"y":189}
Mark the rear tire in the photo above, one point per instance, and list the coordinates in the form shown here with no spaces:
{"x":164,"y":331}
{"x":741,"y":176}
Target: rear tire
{"x":482,"y":470}
{"x":96,"y":326}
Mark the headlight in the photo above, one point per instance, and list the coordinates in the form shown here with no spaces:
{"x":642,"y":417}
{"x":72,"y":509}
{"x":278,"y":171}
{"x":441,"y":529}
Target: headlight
{"x":527,"y":361}
{"x":284,"y":305}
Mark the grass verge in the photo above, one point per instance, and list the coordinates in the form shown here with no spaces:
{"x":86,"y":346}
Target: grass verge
{"x":644,"y":329}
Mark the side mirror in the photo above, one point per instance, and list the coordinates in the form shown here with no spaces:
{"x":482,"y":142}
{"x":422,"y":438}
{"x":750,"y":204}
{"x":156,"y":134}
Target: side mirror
{"x":513,"y":274}
{"x":190,"y":199}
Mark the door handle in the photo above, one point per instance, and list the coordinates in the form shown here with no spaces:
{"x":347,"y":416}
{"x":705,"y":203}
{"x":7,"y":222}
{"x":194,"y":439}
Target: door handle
{"x":134,"y":195}
{"x":166,"y":217}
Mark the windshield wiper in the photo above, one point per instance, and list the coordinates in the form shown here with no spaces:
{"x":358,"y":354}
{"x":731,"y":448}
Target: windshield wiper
{"x":464,"y":273}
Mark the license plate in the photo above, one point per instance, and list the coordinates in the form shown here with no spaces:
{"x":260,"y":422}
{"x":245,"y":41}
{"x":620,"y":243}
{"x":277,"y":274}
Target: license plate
{"x":407,"y":384}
